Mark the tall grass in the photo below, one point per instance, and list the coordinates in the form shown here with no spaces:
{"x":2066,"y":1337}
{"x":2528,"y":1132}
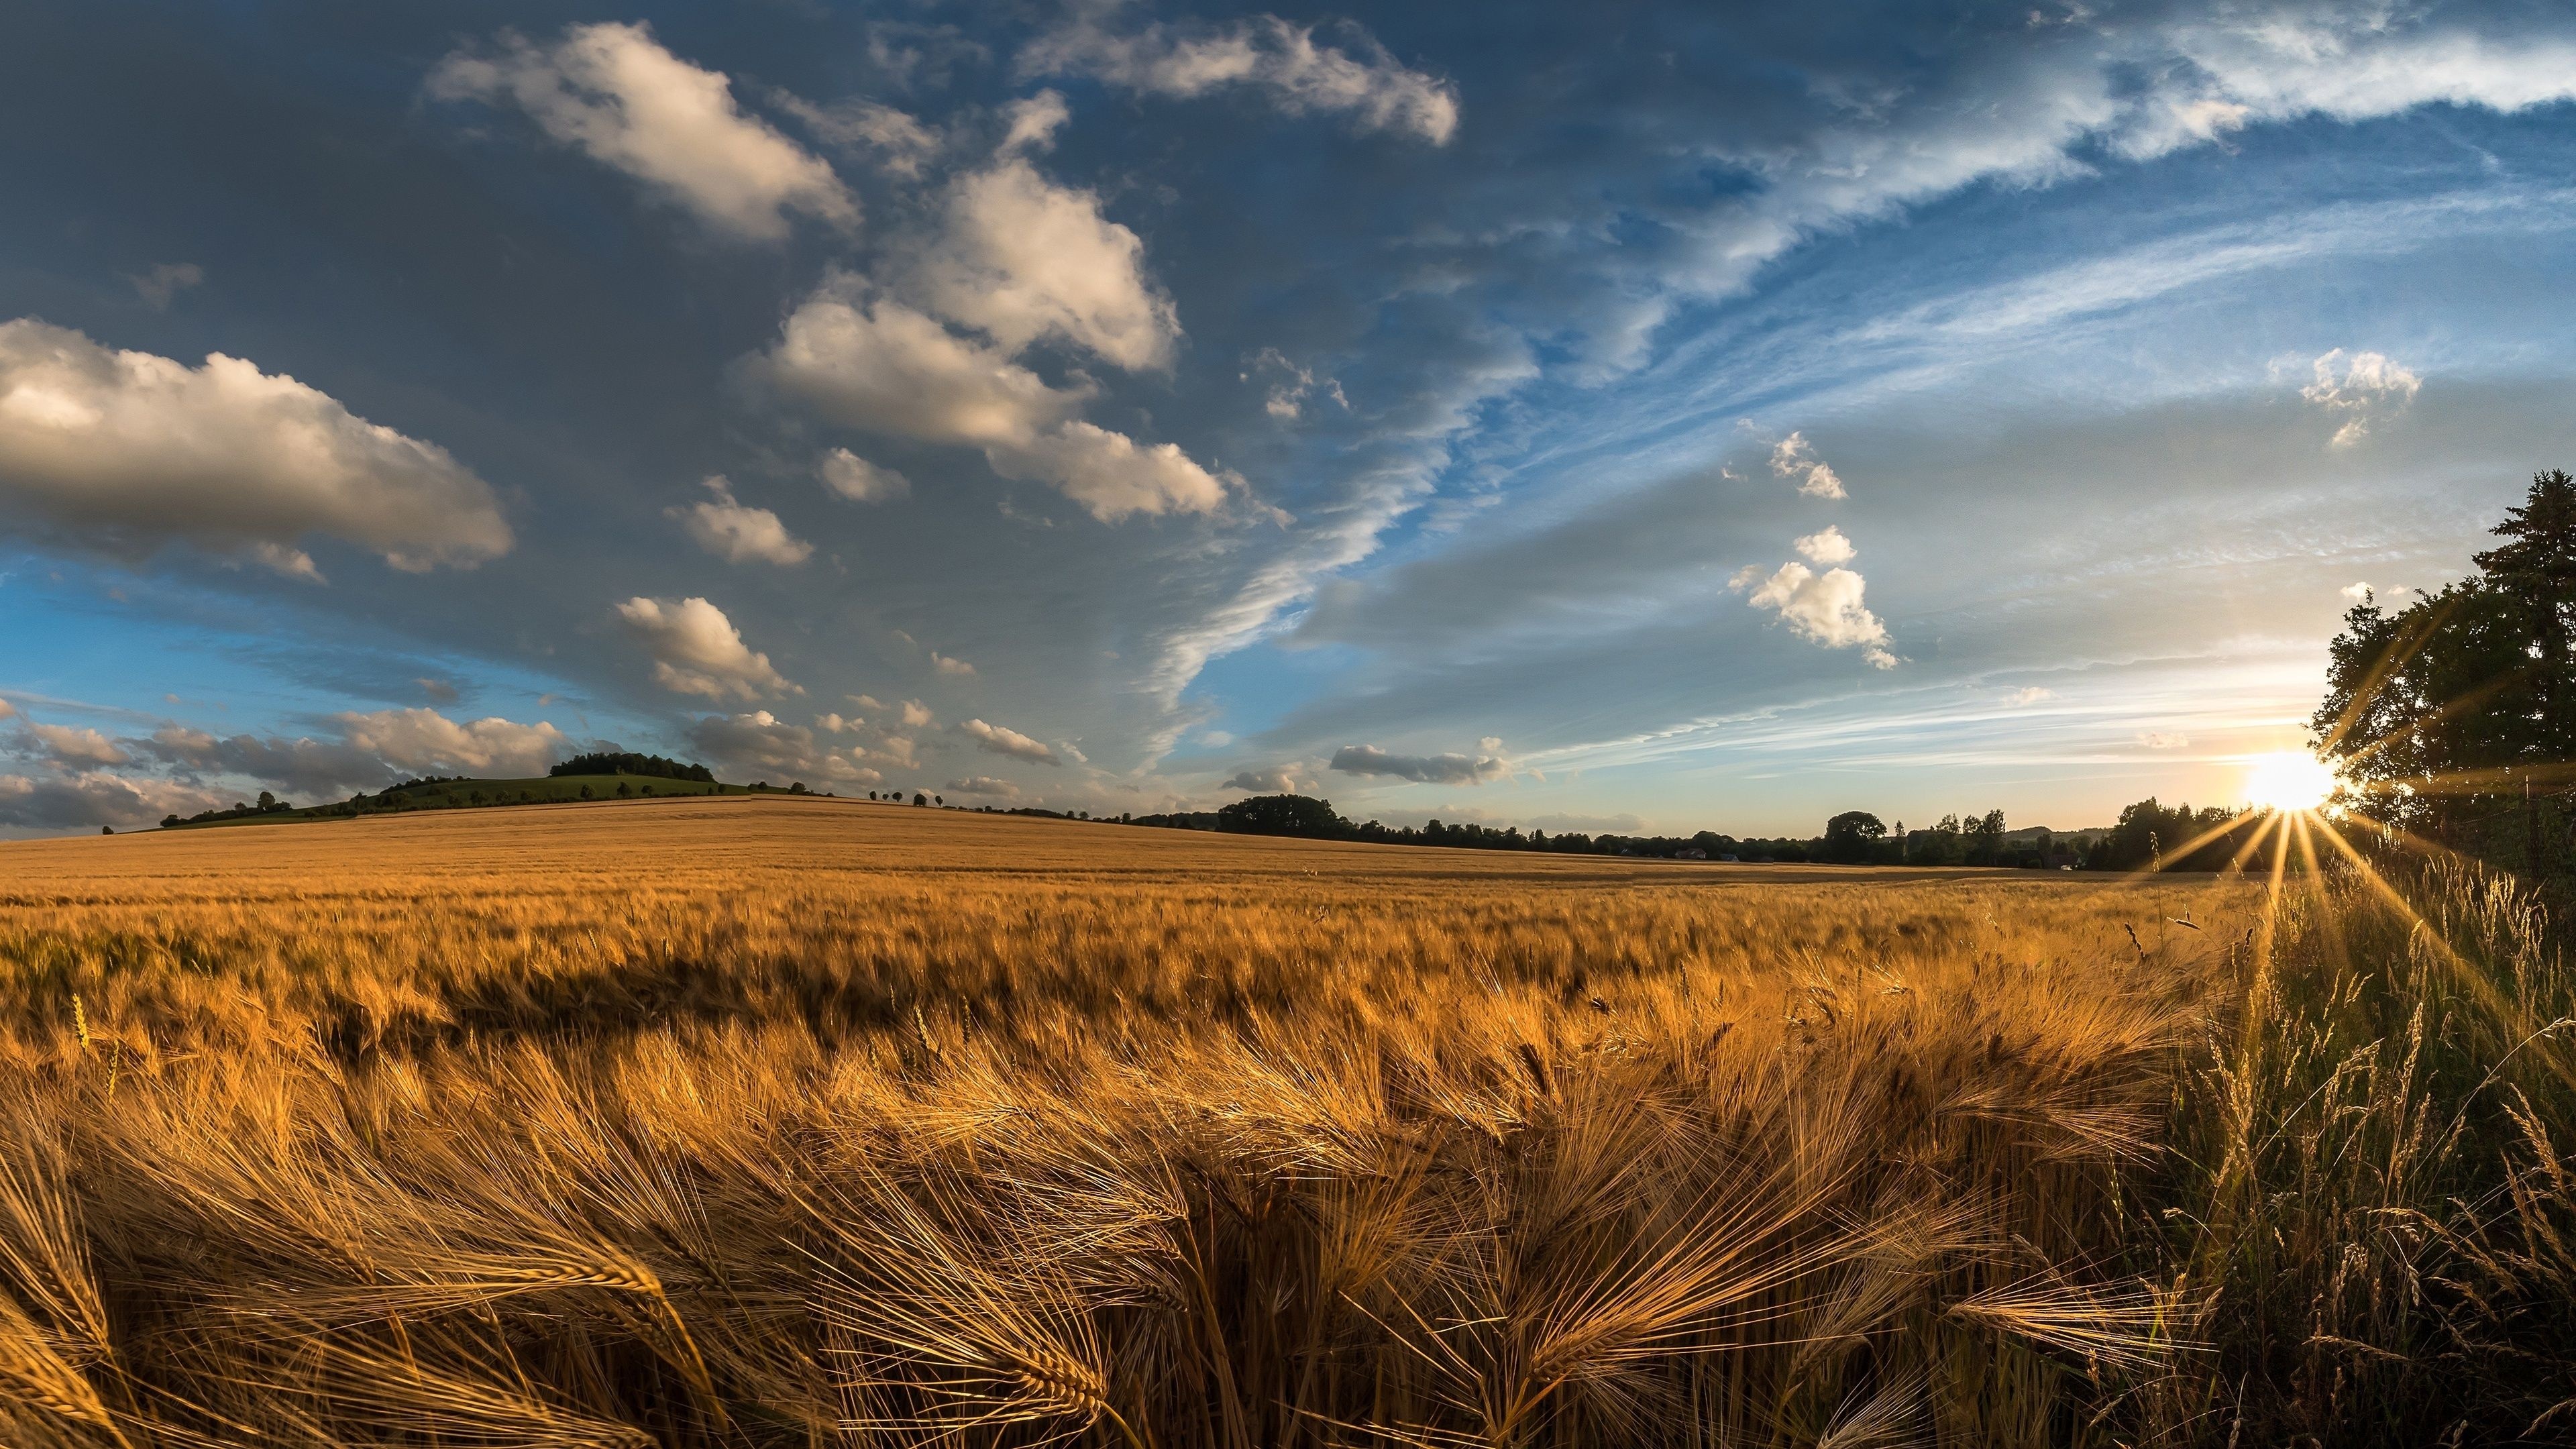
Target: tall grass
{"x":796,"y":1126}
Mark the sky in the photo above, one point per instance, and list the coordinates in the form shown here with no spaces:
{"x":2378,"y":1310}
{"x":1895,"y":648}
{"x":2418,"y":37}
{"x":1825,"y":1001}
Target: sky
{"x":1617,"y":417}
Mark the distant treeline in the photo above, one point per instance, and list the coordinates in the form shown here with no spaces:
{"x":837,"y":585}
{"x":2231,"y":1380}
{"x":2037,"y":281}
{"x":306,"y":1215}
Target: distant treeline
{"x":2147,"y":835}
{"x":624,"y":763}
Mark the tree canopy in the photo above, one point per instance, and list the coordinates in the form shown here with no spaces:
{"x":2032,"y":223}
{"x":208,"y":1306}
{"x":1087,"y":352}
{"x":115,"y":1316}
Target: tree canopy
{"x":623,"y":763}
{"x":2444,"y":715}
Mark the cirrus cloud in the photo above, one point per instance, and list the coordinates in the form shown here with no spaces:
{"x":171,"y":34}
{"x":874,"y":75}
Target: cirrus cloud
{"x":1263,"y":53}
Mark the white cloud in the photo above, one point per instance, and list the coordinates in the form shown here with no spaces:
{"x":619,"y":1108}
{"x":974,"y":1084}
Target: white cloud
{"x":1111,"y":475}
{"x":2028,"y":695}
{"x":1023,"y":259}
{"x":2363,"y":386}
{"x":946,"y":665}
{"x":128,"y":449}
{"x":897,"y":141}
{"x":612,"y":92}
{"x":697,"y":650}
{"x":1266,"y":53}
{"x":895,"y":750}
{"x":2361,"y":593}
{"x":2161,"y":740}
{"x":1294,"y":385}
{"x":7,"y":709}
{"x":1825,"y":608}
{"x":73,"y":748}
{"x":740,"y":534}
{"x":425,"y":740}
{"x":985,"y":786}
{"x":833,"y":723}
{"x":867,"y":702}
{"x":1033,"y":123}
{"x":1828,"y":547}
{"x":1794,"y":458}
{"x":159,"y":286}
{"x":880,"y":365}
{"x":1450,"y":769}
{"x":858,"y":480}
{"x":1276,"y":780}
{"x":917,"y":716}
{"x":996,"y":739}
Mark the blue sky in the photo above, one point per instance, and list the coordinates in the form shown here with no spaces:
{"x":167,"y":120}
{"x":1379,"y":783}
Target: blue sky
{"x":1626,"y":417}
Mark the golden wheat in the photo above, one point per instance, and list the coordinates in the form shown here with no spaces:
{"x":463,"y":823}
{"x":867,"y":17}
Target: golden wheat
{"x":806,"y":1122}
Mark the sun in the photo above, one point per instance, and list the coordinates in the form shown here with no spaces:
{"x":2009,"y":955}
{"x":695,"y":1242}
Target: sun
{"x":2288,"y":780}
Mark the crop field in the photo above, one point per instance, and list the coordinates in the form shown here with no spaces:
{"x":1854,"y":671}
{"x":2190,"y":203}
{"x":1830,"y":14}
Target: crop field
{"x":797,"y":1122}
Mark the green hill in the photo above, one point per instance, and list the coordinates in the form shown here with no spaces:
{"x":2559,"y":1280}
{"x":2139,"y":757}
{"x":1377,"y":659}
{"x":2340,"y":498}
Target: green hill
{"x":468,"y":794}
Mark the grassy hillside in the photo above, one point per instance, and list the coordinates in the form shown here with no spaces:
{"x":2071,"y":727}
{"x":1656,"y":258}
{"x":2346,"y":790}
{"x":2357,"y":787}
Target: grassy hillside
{"x":785,"y":1122}
{"x":469,"y":794}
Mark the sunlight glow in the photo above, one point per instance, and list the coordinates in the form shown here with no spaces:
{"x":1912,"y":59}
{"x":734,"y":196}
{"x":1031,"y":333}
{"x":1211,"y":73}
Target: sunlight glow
{"x":2288,"y":780}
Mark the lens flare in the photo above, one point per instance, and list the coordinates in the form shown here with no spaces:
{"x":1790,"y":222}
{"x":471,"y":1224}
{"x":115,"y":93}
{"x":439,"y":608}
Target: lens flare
{"x":2289,"y":780}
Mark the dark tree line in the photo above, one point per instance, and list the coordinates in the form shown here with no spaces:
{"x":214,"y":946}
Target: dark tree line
{"x":625,"y":763}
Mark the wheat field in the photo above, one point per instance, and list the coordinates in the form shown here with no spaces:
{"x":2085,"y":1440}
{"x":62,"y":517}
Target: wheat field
{"x":806,"y":1122}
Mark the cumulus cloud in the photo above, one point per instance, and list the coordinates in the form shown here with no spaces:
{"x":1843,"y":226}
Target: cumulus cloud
{"x":2162,"y":740}
{"x":373,"y":749}
{"x":1449,"y":769}
{"x":1290,"y":385}
{"x":1828,"y":547}
{"x":425,"y":740}
{"x":1794,"y":457}
{"x":89,"y":800}
{"x":2361,"y":387}
{"x":1825,"y":608}
{"x":946,"y":665}
{"x":7,"y":709}
{"x":75,"y":748}
{"x":2362,"y":593}
{"x":985,"y":786}
{"x":858,"y":480}
{"x":757,"y":742}
{"x":2027,"y":695}
{"x":1277,"y":780}
{"x":1032,"y":123}
{"x":612,"y":92}
{"x":1023,"y":258}
{"x":998,"y":740}
{"x":128,"y":450}
{"x":738,"y":533}
{"x":1111,"y":475}
{"x":917,"y":716}
{"x":159,"y":286}
{"x":436,"y":689}
{"x":1265,"y":54}
{"x":697,"y":650}
{"x":882,"y":366}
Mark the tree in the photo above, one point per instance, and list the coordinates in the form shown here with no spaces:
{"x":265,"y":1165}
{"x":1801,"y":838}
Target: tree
{"x":1852,"y":836}
{"x":2535,"y":576}
{"x":267,"y":801}
{"x":1300,"y":815}
{"x":2451,"y":717}
{"x":920,"y":799}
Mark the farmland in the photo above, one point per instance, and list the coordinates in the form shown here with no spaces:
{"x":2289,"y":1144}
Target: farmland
{"x":771,"y":1121}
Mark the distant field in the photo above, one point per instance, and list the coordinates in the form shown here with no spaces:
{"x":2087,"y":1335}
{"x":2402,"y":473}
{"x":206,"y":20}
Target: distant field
{"x":770,"y":1121}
